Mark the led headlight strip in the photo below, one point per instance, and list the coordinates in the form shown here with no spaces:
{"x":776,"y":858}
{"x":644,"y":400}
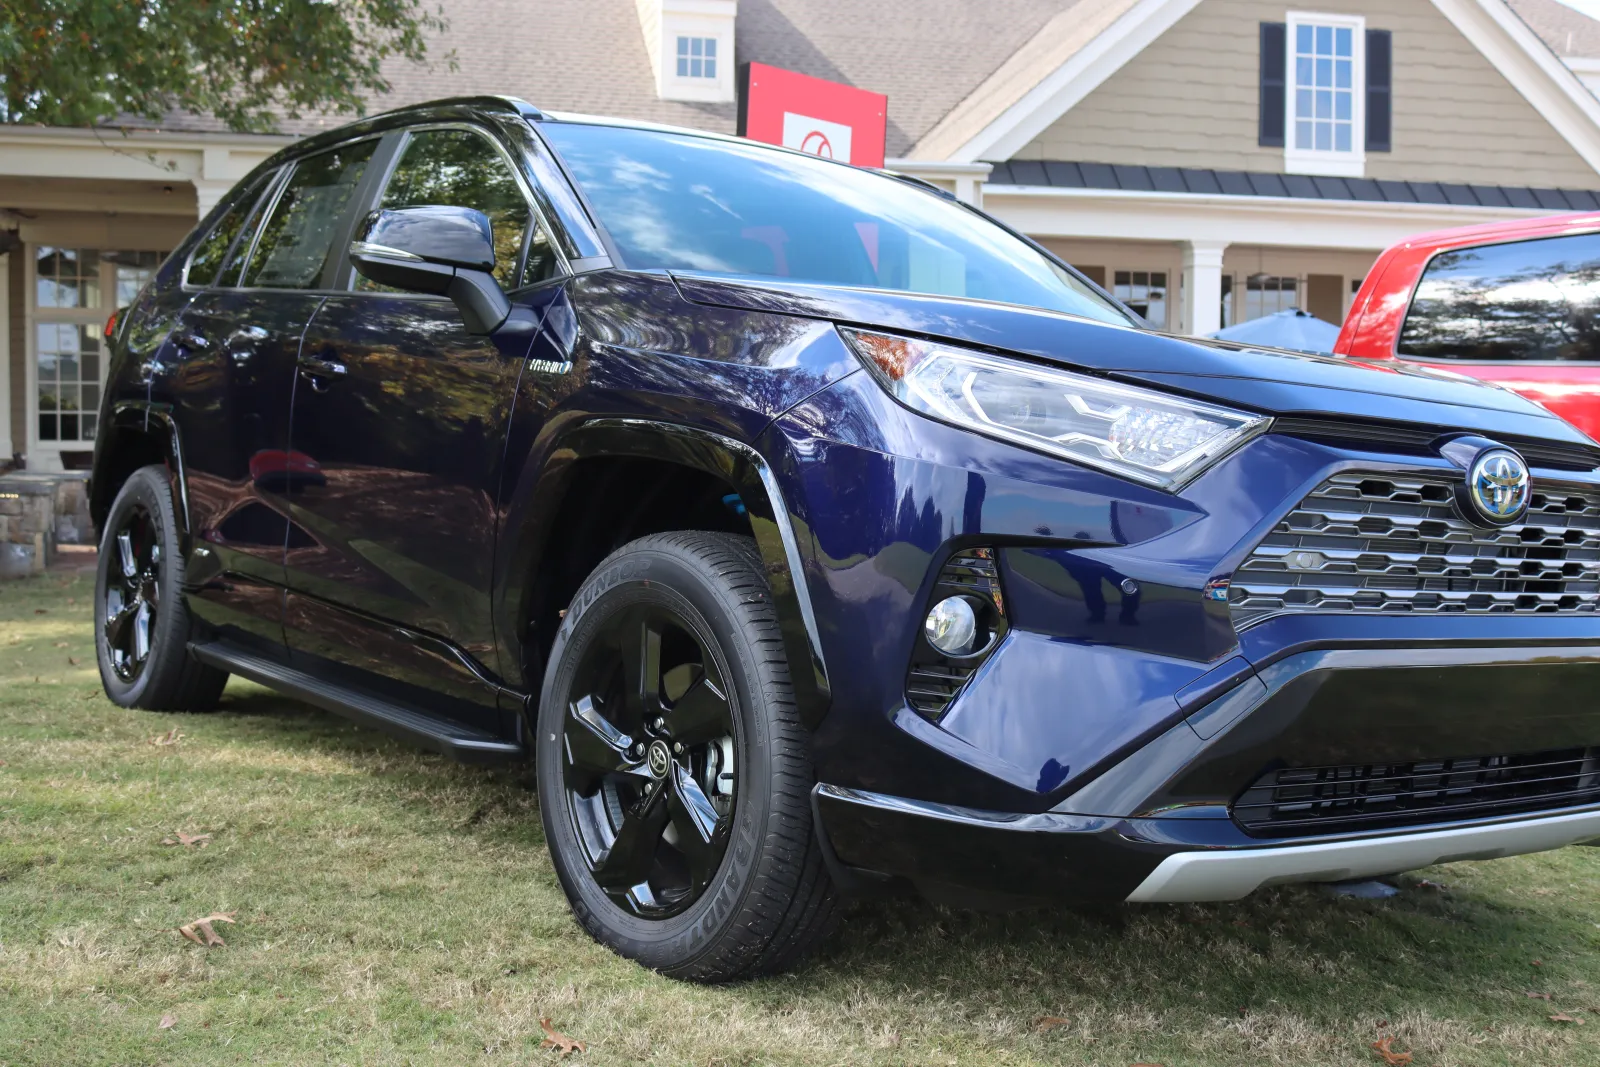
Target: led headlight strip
{"x":1142,"y":434}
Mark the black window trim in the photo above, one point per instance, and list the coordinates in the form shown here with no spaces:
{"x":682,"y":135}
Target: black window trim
{"x":1411,"y":300}
{"x":402,"y":138}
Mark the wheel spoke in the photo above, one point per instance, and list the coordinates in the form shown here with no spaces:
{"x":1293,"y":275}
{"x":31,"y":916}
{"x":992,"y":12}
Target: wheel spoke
{"x":695,"y":819}
{"x":119,"y":624}
{"x":701,"y":713}
{"x":141,"y":632}
{"x":641,"y":670}
{"x":633,"y":852}
{"x":125,"y":554}
{"x":596,"y":747}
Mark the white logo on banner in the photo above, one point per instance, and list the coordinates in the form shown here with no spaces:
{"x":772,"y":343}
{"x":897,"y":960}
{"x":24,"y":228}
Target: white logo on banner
{"x":830,"y":140}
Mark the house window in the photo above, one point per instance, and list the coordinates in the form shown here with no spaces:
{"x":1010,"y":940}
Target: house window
{"x":697,"y":57}
{"x":1145,"y":291}
{"x":74,"y":289}
{"x":1266,"y":294}
{"x":1325,"y":102}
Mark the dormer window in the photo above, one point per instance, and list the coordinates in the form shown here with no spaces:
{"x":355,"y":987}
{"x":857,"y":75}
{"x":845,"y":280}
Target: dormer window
{"x":697,"y":57}
{"x":690,"y":46}
{"x":1325,"y":120}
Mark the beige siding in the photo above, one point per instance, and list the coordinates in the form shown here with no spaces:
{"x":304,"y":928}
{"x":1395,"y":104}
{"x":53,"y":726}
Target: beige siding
{"x":1190,"y":100}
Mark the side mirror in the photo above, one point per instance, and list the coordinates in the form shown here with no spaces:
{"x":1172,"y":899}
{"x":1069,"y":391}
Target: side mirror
{"x":448,"y":251}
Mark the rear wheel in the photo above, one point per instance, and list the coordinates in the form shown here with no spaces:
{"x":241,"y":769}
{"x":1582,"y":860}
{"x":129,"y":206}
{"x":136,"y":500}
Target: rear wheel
{"x":142,"y":626}
{"x":674,"y":774}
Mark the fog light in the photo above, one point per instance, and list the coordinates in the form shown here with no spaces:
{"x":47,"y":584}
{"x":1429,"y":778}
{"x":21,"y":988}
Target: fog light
{"x":952,"y":627}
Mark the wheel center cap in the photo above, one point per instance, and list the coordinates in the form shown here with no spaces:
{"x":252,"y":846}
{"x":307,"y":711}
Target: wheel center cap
{"x":660,"y":759}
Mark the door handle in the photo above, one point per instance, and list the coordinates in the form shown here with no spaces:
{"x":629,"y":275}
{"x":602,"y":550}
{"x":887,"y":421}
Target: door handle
{"x":317,"y":370}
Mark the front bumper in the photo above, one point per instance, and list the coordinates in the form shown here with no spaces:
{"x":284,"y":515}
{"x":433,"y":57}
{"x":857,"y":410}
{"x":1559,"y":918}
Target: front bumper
{"x":1157,"y":823}
{"x":962,"y":852}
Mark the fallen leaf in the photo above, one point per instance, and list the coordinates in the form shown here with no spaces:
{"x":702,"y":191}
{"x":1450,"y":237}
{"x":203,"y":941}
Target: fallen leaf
{"x":181,"y":838}
{"x":1538,"y":963}
{"x":41,"y":611}
{"x":72,"y":600}
{"x":1426,"y":884}
{"x":72,"y":661}
{"x":1391,"y":1057}
{"x":1050,"y":1022}
{"x":61,"y":644}
{"x":1537,"y":996}
{"x":199,"y":931}
{"x":1563,"y":1017}
{"x":167,"y":1022}
{"x":560,"y":1042}
{"x":171,"y":737}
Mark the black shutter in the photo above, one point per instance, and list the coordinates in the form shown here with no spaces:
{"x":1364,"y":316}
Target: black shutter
{"x":1274,"y":41}
{"x":1379,"y":99}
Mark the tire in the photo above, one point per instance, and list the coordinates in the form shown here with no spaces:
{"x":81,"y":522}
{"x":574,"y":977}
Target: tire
{"x":765,"y":900}
{"x":142,"y":624}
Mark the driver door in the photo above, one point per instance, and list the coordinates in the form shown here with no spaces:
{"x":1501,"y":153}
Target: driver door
{"x":404,"y":415}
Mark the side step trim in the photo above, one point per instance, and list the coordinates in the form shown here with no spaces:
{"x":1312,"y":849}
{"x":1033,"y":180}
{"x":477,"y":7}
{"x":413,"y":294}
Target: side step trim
{"x":465,"y":743}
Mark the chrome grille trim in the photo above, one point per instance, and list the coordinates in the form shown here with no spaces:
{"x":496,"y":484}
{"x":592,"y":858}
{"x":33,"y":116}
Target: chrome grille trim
{"x":1379,"y":542}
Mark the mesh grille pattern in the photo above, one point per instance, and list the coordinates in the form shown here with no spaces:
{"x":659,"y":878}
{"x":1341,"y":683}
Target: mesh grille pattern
{"x":1382,"y":543}
{"x":1326,"y":800}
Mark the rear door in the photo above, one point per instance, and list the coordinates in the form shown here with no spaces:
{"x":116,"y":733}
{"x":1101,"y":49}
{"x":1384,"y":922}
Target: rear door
{"x":230,"y":386}
{"x":1524,"y":314}
{"x":404,"y":415}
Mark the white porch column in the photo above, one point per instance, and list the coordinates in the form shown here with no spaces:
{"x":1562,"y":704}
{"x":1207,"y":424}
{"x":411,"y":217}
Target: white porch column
{"x":216,"y":177}
{"x":1202,"y":287}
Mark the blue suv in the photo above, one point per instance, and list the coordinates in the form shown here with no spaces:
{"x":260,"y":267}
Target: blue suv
{"x":815,"y":534}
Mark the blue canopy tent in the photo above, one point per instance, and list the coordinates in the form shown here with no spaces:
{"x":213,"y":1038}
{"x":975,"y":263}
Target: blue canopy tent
{"x":1294,"y":329}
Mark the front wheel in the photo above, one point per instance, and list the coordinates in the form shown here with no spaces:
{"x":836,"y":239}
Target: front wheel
{"x":674,"y":773}
{"x":142,"y":626}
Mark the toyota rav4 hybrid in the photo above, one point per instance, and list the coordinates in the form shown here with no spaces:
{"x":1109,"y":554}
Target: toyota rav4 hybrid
{"x":813,"y":533}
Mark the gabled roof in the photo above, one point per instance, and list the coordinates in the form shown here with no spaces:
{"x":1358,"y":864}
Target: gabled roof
{"x":1022,"y":99}
{"x":1566,"y":31}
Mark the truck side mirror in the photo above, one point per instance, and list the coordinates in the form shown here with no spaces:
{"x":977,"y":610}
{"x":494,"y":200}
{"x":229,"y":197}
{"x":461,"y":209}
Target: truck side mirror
{"x":447,"y":251}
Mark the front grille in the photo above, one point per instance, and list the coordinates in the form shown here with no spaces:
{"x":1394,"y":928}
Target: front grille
{"x":1329,"y":800}
{"x":1383,"y":543}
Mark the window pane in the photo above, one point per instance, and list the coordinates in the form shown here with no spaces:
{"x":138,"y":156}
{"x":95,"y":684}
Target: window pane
{"x":68,"y":374}
{"x":1341,"y":44}
{"x":1341,"y":138}
{"x":683,"y":67}
{"x":206,"y":263}
{"x":711,"y":68}
{"x":459,"y":168}
{"x":681,"y":202}
{"x":1526,"y":300}
{"x":711,"y":48}
{"x":1325,"y":40}
{"x":1341,"y":71}
{"x":297,"y":238}
{"x":67,"y":277}
{"x":1302,"y":38}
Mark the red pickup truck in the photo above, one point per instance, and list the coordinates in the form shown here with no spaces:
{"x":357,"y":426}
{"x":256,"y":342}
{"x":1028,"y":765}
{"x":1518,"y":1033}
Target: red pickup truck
{"x":1516,"y":303}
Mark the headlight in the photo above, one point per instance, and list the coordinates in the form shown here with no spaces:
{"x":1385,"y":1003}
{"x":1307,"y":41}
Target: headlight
{"x":1137,"y":433}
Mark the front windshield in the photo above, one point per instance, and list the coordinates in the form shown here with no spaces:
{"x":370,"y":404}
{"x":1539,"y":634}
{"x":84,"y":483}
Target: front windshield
{"x":680,"y":202}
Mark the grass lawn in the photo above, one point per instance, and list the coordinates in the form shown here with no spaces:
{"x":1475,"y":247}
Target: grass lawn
{"x":395,"y":908}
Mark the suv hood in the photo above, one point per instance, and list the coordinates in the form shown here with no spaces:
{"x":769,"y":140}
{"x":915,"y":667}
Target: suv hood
{"x":1267,"y":380}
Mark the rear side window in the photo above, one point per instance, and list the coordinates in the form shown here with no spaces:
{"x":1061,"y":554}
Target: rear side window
{"x":206,"y":263}
{"x":298,"y":235}
{"x":1528,"y":300}
{"x":460,"y":168}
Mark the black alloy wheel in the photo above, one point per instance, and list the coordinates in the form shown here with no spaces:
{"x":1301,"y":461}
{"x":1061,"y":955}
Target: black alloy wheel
{"x":674,"y":773}
{"x":142,"y":623}
{"x":650,"y":773}
{"x":133,"y":592}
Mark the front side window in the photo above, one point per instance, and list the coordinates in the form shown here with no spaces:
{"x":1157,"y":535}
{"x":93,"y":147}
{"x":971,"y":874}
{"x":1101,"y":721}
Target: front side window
{"x":680,"y":202}
{"x":297,"y":237}
{"x":697,"y":57}
{"x":1326,"y":64}
{"x":205,"y":264}
{"x":1526,"y":300}
{"x":460,"y":168}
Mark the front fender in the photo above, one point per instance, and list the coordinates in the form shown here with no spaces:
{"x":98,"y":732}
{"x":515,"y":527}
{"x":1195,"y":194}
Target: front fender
{"x":532,"y":511}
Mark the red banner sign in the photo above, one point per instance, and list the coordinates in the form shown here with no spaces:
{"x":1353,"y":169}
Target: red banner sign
{"x":812,"y":115}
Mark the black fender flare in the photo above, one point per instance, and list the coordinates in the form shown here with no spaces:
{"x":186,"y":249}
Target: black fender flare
{"x":530,"y":518}
{"x":155,"y":422}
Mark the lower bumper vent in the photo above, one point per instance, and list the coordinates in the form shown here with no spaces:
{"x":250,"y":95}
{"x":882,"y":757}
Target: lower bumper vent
{"x":934,"y":679}
{"x":1297,"y":801}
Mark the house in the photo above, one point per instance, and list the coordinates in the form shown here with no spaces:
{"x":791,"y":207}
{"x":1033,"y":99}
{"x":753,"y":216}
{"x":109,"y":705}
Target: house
{"x":1208,"y":161}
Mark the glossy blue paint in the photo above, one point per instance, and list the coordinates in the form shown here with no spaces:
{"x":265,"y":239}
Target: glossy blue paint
{"x":427,"y":514}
